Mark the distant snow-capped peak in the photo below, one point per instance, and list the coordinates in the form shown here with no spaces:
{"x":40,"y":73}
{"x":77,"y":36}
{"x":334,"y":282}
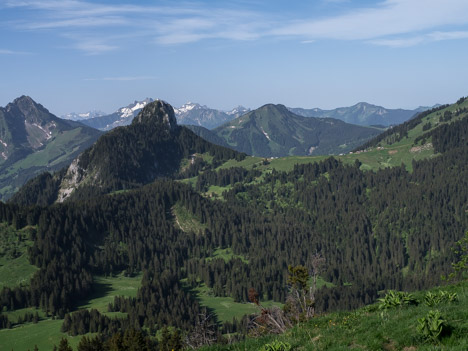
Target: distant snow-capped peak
{"x":132,"y":109}
{"x":81,"y":116}
{"x":239,"y":110}
{"x":189,"y":106}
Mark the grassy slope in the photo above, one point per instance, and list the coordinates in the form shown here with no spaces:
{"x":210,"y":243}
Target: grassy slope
{"x":15,"y":268}
{"x":370,"y":329}
{"x":186,"y":221}
{"x":225,"y":307}
{"x":44,"y":334}
{"x":47,"y":333}
{"x":106,"y":288}
{"x":226,"y":254}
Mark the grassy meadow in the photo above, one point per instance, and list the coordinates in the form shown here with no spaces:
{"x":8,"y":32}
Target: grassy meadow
{"x":46,"y":333}
{"x":371,"y":328}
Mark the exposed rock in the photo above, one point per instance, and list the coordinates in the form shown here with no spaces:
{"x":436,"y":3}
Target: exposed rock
{"x":75,"y":174}
{"x":158,"y":112}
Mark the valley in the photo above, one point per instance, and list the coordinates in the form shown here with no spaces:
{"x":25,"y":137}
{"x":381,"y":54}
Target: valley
{"x":157,"y":224}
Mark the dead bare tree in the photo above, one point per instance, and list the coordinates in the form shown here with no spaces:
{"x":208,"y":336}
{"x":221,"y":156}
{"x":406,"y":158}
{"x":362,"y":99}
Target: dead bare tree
{"x":300,"y":302}
{"x":317,"y":264}
{"x":204,"y":332}
{"x":271,"y":319}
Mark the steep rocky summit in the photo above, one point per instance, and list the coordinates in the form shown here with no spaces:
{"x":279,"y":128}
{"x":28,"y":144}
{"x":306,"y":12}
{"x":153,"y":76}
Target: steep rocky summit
{"x":158,"y":112}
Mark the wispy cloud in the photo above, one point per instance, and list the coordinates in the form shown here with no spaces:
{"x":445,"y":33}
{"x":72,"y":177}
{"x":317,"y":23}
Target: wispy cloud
{"x":122,"y":79}
{"x":212,"y":24}
{"x":449,"y":35}
{"x":13,"y":52}
{"x":6,"y":52}
{"x":85,"y":22}
{"x":93,"y":47}
{"x":336,"y":1}
{"x":398,"y":43}
{"x":412,"y":41}
{"x":389,"y":18}
{"x":393,"y":23}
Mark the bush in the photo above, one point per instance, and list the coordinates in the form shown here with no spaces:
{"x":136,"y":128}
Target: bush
{"x":432,"y":326}
{"x":395,"y":299}
{"x":431,"y":299}
{"x":276,"y":346}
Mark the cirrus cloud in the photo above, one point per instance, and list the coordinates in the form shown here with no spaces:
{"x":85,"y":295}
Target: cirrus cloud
{"x":392,"y":23}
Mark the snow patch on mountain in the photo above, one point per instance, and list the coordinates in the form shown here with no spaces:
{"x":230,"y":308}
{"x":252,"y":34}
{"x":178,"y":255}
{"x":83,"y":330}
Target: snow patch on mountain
{"x":189,"y":106}
{"x":133,"y":109}
{"x":238,"y":111}
{"x":189,"y":113}
{"x":265,"y":133}
{"x":195,"y":114}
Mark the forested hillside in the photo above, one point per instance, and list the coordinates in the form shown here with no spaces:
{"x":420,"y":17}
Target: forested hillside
{"x":377,"y":230}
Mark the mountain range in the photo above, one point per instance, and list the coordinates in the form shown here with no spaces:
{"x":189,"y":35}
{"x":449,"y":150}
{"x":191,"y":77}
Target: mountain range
{"x":200,"y":115}
{"x":274,"y":131}
{"x":363,"y":114}
{"x":82,"y":116}
{"x":189,"y":114}
{"x":196,"y":114}
{"x":122,"y":117}
{"x":33,"y":140}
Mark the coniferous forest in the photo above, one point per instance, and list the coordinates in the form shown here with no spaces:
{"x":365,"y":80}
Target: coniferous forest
{"x":377,"y":230}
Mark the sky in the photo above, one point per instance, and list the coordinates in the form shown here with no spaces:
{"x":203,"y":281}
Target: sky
{"x":77,"y":56}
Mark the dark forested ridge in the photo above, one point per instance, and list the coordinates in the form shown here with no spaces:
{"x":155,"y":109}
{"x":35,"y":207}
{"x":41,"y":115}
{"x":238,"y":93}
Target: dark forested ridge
{"x":389,"y":229}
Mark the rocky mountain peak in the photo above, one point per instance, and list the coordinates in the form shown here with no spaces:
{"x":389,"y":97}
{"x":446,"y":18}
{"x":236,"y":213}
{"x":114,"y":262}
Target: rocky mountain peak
{"x":27,"y":105}
{"x":159,"y":112}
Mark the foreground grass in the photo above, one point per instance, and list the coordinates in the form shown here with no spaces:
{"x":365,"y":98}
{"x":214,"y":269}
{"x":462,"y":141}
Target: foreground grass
{"x":371,"y":329}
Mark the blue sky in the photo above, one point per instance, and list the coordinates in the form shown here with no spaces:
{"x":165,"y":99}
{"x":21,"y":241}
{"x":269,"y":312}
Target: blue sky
{"x":75,"y":56}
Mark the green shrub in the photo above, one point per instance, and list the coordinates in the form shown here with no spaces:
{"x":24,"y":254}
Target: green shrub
{"x":395,"y":299}
{"x":431,"y":299}
{"x":432,"y":326}
{"x":276,"y":346}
